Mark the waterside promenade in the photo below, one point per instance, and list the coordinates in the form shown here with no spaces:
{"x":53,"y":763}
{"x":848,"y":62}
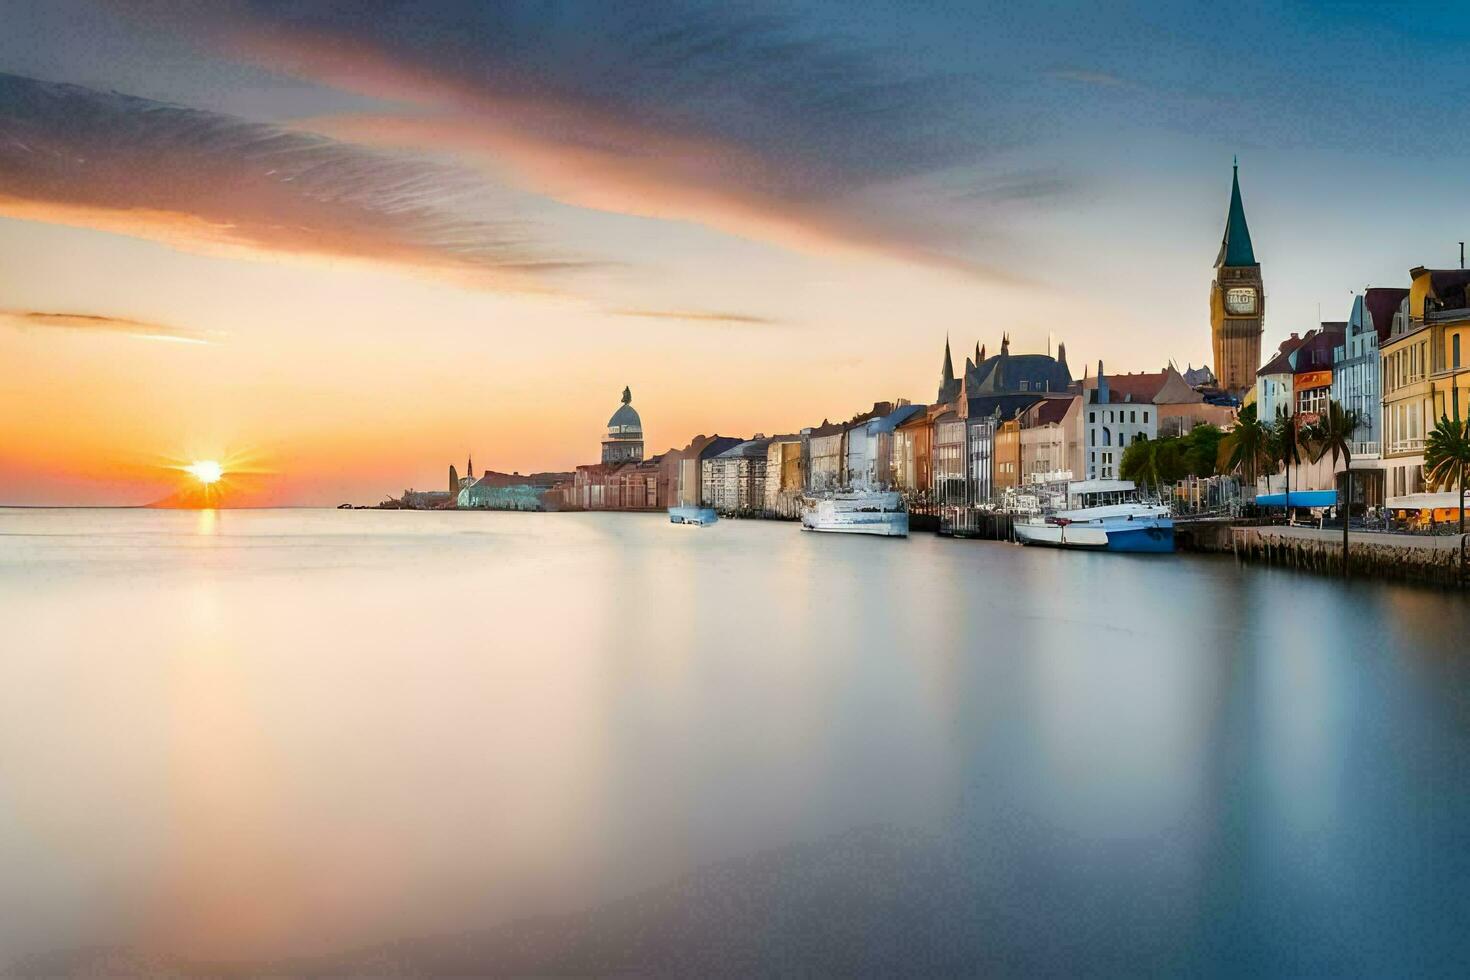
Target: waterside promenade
{"x":1438,"y":558}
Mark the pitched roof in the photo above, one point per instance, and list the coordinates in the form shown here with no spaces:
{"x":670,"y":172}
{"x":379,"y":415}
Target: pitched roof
{"x":1282,"y":362}
{"x":1235,"y":247}
{"x":1050,"y":410}
{"x":1007,"y":406}
{"x":1381,"y":303}
{"x":1007,"y":372}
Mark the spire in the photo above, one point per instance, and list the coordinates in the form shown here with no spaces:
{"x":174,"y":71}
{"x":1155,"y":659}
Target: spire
{"x":948,"y":376}
{"x":469,"y":466}
{"x":1235,"y":247}
{"x":627,"y":396}
{"x":1005,"y":343}
{"x":1062,"y":353}
{"x":982,"y":353}
{"x":979,"y":352}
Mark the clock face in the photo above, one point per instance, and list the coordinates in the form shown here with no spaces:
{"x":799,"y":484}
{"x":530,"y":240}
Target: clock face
{"x":1240,"y":299}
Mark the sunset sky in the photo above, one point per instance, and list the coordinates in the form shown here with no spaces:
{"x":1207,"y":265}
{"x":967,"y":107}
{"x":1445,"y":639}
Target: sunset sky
{"x":342,"y":244}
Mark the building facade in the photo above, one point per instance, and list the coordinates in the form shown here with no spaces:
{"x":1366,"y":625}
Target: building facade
{"x":624,"y":440}
{"x":1051,"y":440}
{"x":1237,"y":302}
{"x":1408,"y":398}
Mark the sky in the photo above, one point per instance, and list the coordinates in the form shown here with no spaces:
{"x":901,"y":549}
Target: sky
{"x":341,"y":245}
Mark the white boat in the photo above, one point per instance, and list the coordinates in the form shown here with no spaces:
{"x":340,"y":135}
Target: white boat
{"x":879,"y":512}
{"x":1102,"y":515}
{"x":697,"y":516}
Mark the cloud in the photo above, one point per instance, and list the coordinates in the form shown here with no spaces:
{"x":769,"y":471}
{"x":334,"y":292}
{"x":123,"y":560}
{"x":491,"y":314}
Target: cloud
{"x":94,"y":323}
{"x":698,"y":315}
{"x":202,"y":180}
{"x":742,"y":123}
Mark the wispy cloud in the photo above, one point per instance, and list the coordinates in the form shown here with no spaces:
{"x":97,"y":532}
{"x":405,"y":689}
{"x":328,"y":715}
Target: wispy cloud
{"x":202,"y":180}
{"x":95,"y":323}
{"x":698,"y":315}
{"x":743,"y":123}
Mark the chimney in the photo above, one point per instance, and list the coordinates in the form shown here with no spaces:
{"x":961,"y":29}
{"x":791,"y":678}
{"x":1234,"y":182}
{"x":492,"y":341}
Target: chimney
{"x":1102,"y":384}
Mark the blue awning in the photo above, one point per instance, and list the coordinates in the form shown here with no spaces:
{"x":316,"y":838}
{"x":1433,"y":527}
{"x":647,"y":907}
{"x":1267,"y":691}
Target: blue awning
{"x":1299,"y":498}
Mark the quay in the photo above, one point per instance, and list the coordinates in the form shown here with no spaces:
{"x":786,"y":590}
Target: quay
{"x":1439,"y":559}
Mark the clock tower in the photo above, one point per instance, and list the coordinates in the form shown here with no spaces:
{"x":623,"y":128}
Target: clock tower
{"x":1237,"y":302}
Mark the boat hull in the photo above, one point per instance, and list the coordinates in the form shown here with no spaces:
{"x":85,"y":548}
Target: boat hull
{"x":695,"y":516}
{"x":876,"y":513}
{"x":892,"y":526}
{"x":1133,"y":537}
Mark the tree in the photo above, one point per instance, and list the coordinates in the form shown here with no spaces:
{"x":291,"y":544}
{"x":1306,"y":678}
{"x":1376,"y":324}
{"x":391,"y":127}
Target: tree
{"x":1154,"y":462}
{"x":1332,"y":434}
{"x":1202,"y":448}
{"x":1447,"y":455}
{"x":1286,"y":443}
{"x":1246,"y":449}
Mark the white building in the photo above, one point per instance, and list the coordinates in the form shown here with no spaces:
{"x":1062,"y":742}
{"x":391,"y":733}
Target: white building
{"x":1114,"y":420}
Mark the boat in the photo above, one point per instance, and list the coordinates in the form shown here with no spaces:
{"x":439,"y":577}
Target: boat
{"x":697,"y":516}
{"x":1102,"y":515}
{"x":879,"y":512}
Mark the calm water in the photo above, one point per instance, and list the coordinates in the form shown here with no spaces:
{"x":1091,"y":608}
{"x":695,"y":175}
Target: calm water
{"x":602,"y":742}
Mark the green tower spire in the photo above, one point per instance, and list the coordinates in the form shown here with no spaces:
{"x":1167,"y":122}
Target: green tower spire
{"x":1235,"y":247}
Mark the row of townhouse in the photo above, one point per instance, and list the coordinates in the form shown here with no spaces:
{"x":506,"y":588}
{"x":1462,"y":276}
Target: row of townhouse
{"x":1401,"y":361}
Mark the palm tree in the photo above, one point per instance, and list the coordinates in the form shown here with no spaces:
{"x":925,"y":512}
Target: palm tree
{"x":1246,"y":448}
{"x":1446,"y":455}
{"x":1333,"y":433}
{"x":1286,"y":441}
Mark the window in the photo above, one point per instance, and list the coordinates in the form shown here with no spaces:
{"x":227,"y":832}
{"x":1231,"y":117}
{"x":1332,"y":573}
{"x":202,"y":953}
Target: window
{"x":1455,"y":353}
{"x":1133,"y":416}
{"x":1092,"y":416}
{"x":1145,"y":416}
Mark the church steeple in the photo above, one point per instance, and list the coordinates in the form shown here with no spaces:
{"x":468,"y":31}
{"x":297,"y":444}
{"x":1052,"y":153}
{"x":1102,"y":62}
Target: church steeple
{"x":1235,"y":247}
{"x":948,"y":376}
{"x":469,"y":466}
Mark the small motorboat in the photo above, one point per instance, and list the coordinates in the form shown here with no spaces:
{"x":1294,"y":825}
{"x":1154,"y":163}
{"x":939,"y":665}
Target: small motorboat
{"x":697,"y":516}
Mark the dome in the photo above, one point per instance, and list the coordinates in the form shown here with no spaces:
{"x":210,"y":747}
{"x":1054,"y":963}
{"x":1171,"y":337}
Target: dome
{"x":625,"y":422}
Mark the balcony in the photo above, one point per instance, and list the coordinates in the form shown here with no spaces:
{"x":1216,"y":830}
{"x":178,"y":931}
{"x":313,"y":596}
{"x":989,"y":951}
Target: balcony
{"x":1364,"y":449}
{"x":1406,"y":446}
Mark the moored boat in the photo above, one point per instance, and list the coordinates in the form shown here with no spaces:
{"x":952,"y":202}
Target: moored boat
{"x":1103,"y":515}
{"x":877,"y":512}
{"x":697,"y":516}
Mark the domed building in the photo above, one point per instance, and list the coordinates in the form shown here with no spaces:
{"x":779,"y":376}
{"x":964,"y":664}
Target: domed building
{"x":624,"y":442}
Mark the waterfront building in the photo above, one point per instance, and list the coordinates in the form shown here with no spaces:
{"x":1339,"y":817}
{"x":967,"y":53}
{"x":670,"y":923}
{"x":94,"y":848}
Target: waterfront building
{"x":1356,"y":372}
{"x":624,"y":440}
{"x":1446,"y":305}
{"x":1408,"y":395}
{"x":1005,"y":464}
{"x":489,"y":495}
{"x":950,"y":445}
{"x":1051,"y":440}
{"x":1356,"y":366}
{"x":1114,"y":420}
{"x":868,"y":458}
{"x":913,"y":454}
{"x":1237,"y":301}
{"x":1275,"y":393}
{"x":785,"y":476}
{"x":681,"y":477}
{"x":734,"y":481}
{"x":824,"y":455}
{"x":426,"y":499}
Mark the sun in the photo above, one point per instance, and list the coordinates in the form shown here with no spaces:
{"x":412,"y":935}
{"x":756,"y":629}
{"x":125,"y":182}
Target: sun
{"x":206,"y":471}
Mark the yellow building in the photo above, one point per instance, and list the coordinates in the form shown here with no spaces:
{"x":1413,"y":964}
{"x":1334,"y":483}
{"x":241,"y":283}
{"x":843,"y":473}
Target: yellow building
{"x":1444,"y":299}
{"x":1426,"y":371}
